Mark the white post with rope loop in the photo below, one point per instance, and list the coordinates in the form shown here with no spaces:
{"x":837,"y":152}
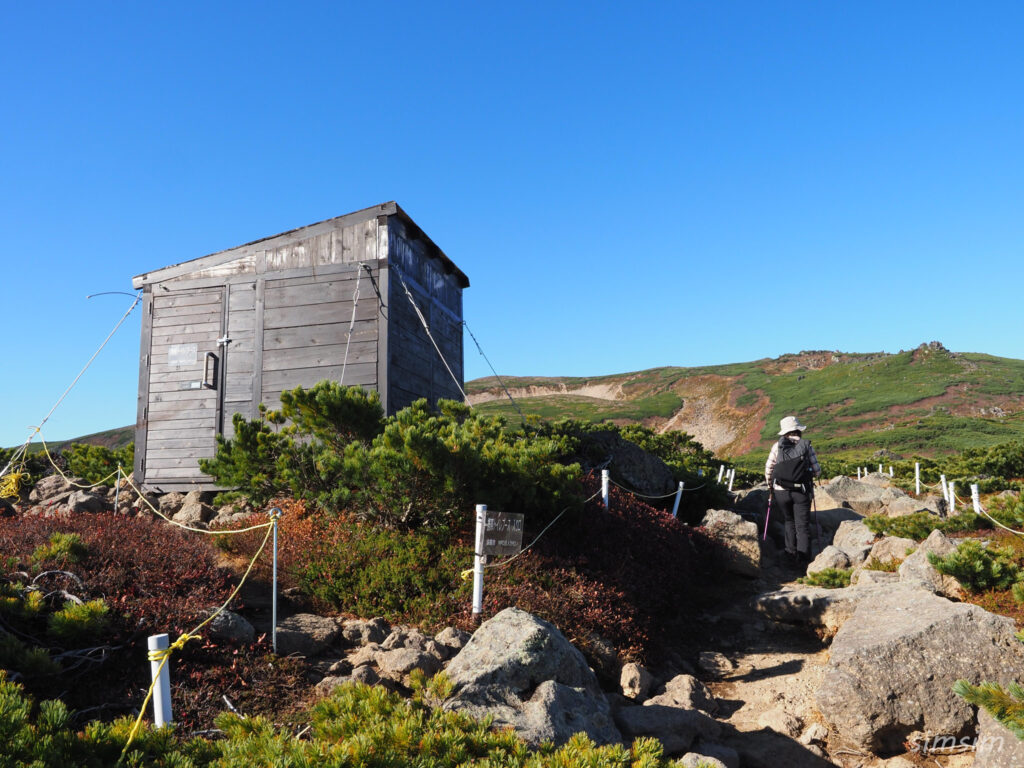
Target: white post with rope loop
{"x":478,"y":561}
{"x":679,"y":495}
{"x":917,"y":478}
{"x":975,"y":498}
{"x":732,"y":478}
{"x":858,"y":473}
{"x":890,"y":471}
{"x":605,"y":478}
{"x":952,"y":497}
{"x":945,"y":488}
{"x":161,"y":682}
{"x":275,"y":515}
{"x":721,"y":469}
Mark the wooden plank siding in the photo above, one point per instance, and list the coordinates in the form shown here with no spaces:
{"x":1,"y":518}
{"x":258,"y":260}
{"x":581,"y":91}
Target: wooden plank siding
{"x":285,"y":304}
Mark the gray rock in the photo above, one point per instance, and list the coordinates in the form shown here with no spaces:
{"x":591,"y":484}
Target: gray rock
{"x":521,"y":670}
{"x":855,"y":539}
{"x":229,"y":627}
{"x":700,"y":760}
{"x":780,"y":721}
{"x":714,"y":664}
{"x":997,"y":746}
{"x":815,"y":733}
{"x":823,"y":610}
{"x":632,"y":466}
{"x":363,"y":631}
{"x":686,"y":692}
{"x":398,"y":663}
{"x":452,"y":638}
{"x":753,"y":500}
{"x":365,"y":674}
{"x":739,"y":539}
{"x":863,"y":577}
{"x":366,"y":654}
{"x":830,"y":557}
{"x":170,"y":503}
{"x":860,"y":496}
{"x":917,"y":569}
{"x":891,"y":548}
{"x":193,"y":511}
{"x":635,"y":681}
{"x":327,"y":686}
{"x":49,"y":487}
{"x":84,"y":501}
{"x":675,"y":728}
{"x":893,"y":662}
{"x":306,"y":634}
{"x":717,"y":754}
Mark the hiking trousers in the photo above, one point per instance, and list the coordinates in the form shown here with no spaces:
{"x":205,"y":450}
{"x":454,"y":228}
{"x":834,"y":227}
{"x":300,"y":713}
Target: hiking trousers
{"x":796,"y":511}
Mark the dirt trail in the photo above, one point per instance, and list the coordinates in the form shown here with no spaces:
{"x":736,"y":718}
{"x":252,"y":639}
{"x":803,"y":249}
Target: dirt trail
{"x":767,"y":699}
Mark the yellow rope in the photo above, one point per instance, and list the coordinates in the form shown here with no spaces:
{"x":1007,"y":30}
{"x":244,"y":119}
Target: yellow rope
{"x":67,"y":479}
{"x":10,"y":484}
{"x":163,"y":655}
{"x":158,"y":513}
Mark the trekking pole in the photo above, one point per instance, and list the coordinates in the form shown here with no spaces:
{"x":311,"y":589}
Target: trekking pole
{"x":768,"y":514}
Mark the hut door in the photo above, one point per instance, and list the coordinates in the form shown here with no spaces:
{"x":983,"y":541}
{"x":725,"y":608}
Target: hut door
{"x":186,"y":375}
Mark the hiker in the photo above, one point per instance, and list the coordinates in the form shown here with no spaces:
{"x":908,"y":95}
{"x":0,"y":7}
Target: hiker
{"x":790,"y":471}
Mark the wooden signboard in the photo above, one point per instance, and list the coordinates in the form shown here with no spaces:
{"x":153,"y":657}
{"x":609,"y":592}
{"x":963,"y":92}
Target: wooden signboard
{"x":503,"y":534}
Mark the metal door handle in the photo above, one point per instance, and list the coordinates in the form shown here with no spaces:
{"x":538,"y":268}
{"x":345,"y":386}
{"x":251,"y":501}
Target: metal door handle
{"x":210,"y":377}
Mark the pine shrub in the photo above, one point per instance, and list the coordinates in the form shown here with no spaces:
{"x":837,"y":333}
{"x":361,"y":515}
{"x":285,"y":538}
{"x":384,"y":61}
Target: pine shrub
{"x":79,"y":623}
{"x":978,"y":567}
{"x":830,"y":578}
{"x":63,"y":548}
{"x":97,"y":463}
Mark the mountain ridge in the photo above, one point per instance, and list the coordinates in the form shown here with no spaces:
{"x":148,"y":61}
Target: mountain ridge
{"x":927,"y":400}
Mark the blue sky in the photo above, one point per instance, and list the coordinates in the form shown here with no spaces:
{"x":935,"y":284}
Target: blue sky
{"x":626,"y":185}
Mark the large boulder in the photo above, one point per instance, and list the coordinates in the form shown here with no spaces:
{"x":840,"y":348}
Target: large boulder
{"x":997,"y":745}
{"x":522,"y":671}
{"x":739,"y":540}
{"x":893,"y":662}
{"x":193,"y":511}
{"x":891,"y":549}
{"x":677,"y":729}
{"x":51,"y":487}
{"x":306,"y":634}
{"x":686,"y":692}
{"x":855,"y":539}
{"x":829,"y":557}
{"x":632,"y":466}
{"x":858,"y":495}
{"x":917,"y":569}
{"x":818,"y":608}
{"x":85,"y":501}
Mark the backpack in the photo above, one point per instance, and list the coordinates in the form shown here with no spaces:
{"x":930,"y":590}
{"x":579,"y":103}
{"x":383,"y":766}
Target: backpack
{"x":793,"y":466}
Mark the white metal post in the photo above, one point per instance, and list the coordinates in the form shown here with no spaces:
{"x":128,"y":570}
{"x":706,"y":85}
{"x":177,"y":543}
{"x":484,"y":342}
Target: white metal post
{"x":975,"y":498}
{"x":721,"y":469}
{"x":880,"y":469}
{"x":945,"y":488}
{"x":952,"y":496}
{"x":275,"y":514}
{"x":117,"y":488}
{"x":605,"y":477}
{"x":917,"y":478}
{"x":679,"y":495}
{"x":478,"y":560}
{"x":858,"y":473}
{"x":732,"y":477}
{"x":161,"y":682}
{"x":890,"y":471}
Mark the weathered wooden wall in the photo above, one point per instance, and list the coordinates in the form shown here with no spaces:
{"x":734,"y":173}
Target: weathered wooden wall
{"x":286,"y":303}
{"x":414,"y":368}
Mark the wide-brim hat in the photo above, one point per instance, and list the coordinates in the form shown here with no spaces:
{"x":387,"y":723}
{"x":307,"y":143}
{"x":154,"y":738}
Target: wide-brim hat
{"x":790,"y":424}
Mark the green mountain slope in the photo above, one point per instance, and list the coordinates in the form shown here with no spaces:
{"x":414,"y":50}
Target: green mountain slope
{"x":927,"y":401}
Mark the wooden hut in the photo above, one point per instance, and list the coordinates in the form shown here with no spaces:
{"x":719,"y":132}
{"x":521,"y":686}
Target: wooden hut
{"x":223,"y":333}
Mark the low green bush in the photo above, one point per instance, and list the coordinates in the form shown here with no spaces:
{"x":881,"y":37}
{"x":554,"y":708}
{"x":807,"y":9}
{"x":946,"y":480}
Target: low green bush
{"x":357,"y":726}
{"x":978,"y":567}
{"x":62,"y":547}
{"x":919,"y":525}
{"x":79,"y":623}
{"x":887,"y":566}
{"x":830,"y":578}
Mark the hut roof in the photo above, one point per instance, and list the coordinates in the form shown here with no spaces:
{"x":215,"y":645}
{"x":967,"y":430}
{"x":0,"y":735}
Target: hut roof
{"x":384,"y":209}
